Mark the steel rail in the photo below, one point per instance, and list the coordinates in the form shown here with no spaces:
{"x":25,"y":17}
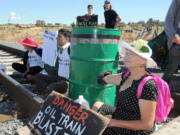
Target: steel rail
{"x":13,"y":48}
{"x":30,"y":102}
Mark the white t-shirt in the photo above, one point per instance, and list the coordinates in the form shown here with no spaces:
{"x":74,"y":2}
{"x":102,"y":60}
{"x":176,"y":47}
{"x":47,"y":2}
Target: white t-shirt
{"x":34,"y":59}
{"x":64,"y":62}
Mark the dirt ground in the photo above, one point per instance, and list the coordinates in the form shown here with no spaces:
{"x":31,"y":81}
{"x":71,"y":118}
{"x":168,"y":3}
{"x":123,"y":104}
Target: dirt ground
{"x":14,"y":34}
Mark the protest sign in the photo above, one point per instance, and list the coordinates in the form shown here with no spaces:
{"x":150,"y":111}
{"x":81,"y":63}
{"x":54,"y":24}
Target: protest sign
{"x":49,"y":47}
{"x":87,"y":21}
{"x":60,"y":115}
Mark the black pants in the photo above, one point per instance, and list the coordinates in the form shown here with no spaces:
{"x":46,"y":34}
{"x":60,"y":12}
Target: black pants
{"x":47,"y":83}
{"x":174,"y":60}
{"x":22,"y":69}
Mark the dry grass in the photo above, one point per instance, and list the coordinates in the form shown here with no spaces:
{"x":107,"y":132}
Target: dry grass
{"x":14,"y":34}
{"x":128,"y":36}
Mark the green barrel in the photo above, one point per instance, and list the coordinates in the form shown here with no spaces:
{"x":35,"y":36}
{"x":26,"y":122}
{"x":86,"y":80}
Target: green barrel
{"x":94,"y":51}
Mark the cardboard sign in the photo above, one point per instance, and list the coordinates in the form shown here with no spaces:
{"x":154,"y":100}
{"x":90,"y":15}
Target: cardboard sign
{"x":87,"y":21}
{"x":59,"y":115}
{"x":49,"y":47}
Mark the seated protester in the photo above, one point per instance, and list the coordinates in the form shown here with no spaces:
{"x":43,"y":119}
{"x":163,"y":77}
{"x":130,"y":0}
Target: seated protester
{"x":32,"y":60}
{"x":111,"y":17}
{"x":59,"y":82}
{"x":44,"y":78}
{"x":131,"y":115}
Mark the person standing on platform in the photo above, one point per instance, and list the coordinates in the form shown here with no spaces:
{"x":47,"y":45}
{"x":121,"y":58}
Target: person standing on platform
{"x":90,"y":10}
{"x":111,"y":17}
{"x":172,"y":29}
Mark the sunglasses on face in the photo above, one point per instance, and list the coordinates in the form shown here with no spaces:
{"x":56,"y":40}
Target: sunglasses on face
{"x":129,"y":54}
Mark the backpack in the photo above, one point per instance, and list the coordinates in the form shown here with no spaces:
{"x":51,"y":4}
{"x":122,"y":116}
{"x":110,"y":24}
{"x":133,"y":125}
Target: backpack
{"x":164,"y":102}
{"x":25,"y":58}
{"x":69,"y":50}
{"x":38,"y":51}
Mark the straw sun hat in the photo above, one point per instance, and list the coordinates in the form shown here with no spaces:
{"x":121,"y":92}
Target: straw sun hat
{"x":140,"y":48}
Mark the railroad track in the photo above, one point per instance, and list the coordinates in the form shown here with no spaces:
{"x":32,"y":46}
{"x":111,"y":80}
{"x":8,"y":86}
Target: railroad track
{"x":28,"y":101}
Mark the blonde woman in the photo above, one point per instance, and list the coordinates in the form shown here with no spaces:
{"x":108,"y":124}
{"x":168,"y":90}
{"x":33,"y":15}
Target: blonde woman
{"x":132,"y":115}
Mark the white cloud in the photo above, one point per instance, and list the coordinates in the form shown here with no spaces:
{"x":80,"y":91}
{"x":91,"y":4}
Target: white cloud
{"x":13,"y":17}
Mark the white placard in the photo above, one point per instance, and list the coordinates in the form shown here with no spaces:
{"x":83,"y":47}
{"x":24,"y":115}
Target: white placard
{"x":49,"y":47}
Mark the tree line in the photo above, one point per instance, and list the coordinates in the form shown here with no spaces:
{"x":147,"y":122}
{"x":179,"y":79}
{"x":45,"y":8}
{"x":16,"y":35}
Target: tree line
{"x":138,"y":24}
{"x":42,"y":23}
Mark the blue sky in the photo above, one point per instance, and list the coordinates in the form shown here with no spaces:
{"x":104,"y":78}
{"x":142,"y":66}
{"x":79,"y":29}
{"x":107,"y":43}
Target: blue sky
{"x":65,"y":11}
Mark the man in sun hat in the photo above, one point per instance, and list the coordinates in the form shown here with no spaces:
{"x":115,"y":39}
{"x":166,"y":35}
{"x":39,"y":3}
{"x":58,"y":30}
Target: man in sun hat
{"x":131,"y":115}
{"x":111,"y":17}
{"x":33,"y":63}
{"x":172,"y":29}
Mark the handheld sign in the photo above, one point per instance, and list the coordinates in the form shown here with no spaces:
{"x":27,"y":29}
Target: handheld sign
{"x":59,"y":115}
{"x":49,"y":47}
{"x":87,"y":21}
